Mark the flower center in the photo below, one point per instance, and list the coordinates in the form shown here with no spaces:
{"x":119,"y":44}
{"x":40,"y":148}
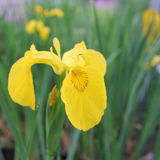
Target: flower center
{"x":79,"y":80}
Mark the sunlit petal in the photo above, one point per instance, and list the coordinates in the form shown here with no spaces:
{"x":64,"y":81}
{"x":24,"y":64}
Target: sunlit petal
{"x":81,"y":47}
{"x":20,"y":83}
{"x":78,"y":49}
{"x":78,"y":61}
{"x":95,"y":59}
{"x":84,"y":94}
{"x":71,"y":53}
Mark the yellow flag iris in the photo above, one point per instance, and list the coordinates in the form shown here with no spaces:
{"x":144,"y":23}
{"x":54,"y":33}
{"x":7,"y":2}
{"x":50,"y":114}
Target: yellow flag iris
{"x":56,"y":12}
{"x":83,"y":89}
{"x":151,"y":18}
{"x":31,"y":26}
{"x":44,"y":32}
{"x":155,"y":60}
{"x":39,"y":9}
{"x":46,"y":13}
{"x":39,"y":25}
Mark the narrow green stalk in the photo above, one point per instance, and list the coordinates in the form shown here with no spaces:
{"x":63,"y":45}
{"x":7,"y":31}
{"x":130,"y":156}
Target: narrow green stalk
{"x":62,"y":76}
{"x":31,"y":135}
{"x":1,"y":154}
{"x":40,"y":117}
{"x":15,"y":131}
{"x":98,"y":30}
{"x":157,"y":146}
{"x":16,"y":157}
{"x":49,"y":157}
{"x":88,"y":37}
{"x":76,"y":135}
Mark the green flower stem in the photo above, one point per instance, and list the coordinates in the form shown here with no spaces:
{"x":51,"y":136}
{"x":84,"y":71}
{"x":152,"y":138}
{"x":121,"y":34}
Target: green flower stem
{"x":54,"y":129}
{"x":62,"y":76}
{"x":49,"y":157}
{"x":14,"y":129}
{"x":54,"y":122}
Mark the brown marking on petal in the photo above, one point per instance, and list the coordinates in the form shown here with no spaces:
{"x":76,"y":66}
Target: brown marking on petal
{"x":79,"y":80}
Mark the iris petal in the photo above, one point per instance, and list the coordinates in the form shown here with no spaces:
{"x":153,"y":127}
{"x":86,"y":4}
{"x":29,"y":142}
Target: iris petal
{"x":20,"y":83}
{"x":84,"y":94}
{"x":95,"y":59}
{"x":57,"y":46}
{"x":78,"y":49}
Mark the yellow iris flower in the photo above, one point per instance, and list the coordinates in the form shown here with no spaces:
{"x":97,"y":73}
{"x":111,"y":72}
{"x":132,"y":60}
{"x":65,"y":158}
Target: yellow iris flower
{"x":31,"y":26}
{"x":56,"y":12}
{"x":39,"y":9}
{"x":46,"y":13}
{"x":39,"y":25}
{"x":151,"y":17}
{"x":44,"y":32}
{"x":83,"y":89}
{"x":155,"y":60}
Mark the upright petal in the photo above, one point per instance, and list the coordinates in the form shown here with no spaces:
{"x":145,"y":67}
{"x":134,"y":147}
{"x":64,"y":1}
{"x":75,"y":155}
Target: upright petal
{"x":20,"y":83}
{"x":95,"y":59}
{"x":84,"y":94}
{"x":71,"y":63}
{"x":57,"y":46}
{"x":78,"y":49}
{"x":81,"y":47}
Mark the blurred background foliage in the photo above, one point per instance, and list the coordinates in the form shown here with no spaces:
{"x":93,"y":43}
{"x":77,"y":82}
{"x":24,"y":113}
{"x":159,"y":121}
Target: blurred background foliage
{"x":129,"y":128}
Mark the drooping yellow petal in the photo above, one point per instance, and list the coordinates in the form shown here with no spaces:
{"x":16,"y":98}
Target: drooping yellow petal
{"x":48,"y":58}
{"x":20,"y":83}
{"x":95,"y":59}
{"x":43,"y":57}
{"x":84,"y":94}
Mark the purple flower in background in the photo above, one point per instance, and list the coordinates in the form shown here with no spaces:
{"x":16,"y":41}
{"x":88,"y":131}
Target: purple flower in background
{"x":14,"y":2}
{"x":102,"y":4}
{"x":1,"y":12}
{"x":14,"y":10}
{"x":9,"y":15}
